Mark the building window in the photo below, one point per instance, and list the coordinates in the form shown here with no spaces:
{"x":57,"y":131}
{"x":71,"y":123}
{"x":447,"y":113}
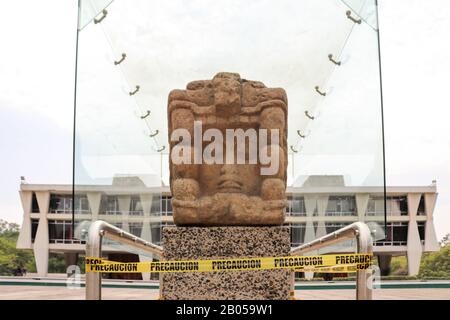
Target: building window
{"x":397,"y":234}
{"x":136,"y":207}
{"x":341,"y":206}
{"x":295,"y":206}
{"x":60,"y":203}
{"x":110,"y":205}
{"x":400,"y":232}
{"x":135,"y":228}
{"x":157,"y":230}
{"x":156,"y":233}
{"x":395,"y":205}
{"x":421,"y":209}
{"x":34,"y":227}
{"x":156,"y":205}
{"x":421,"y":226}
{"x":34,"y":204}
{"x":334,"y":226}
{"x":375,"y":206}
{"x":298,"y":231}
{"x":60,"y":231}
{"x":63,"y":204}
{"x":166,"y":206}
{"x":161,"y":206}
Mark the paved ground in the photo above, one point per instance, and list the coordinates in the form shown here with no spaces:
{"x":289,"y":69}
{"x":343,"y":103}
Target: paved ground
{"x":56,"y":293}
{"x":379,"y":294}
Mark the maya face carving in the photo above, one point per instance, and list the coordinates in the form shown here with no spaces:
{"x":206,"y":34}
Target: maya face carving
{"x":228,"y":152}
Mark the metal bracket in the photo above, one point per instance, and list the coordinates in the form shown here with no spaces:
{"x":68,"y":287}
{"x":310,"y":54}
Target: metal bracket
{"x":154,"y":134}
{"x":294,"y":150}
{"x":121,"y":60}
{"x":301,"y":134}
{"x":132,"y":93}
{"x":161,"y":149}
{"x":146,"y":115}
{"x":104,"y":13}
{"x":330,"y":57}
{"x":308,"y":115}
{"x":349,"y":15}
{"x":323,"y":94}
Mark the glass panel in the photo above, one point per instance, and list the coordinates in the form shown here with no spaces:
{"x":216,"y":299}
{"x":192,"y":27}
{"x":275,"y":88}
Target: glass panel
{"x":324,"y":58}
{"x":136,"y":206}
{"x":365,"y":9}
{"x":34,"y":227}
{"x":341,"y":206}
{"x":34,"y":204}
{"x":89,"y":9}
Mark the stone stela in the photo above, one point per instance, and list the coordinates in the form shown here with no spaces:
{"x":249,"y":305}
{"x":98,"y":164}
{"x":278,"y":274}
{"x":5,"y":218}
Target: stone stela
{"x":231,"y":193}
{"x":227,"y":210}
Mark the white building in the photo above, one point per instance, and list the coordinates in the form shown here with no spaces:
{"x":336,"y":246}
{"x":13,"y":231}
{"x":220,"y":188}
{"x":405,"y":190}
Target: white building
{"x":312,"y":212}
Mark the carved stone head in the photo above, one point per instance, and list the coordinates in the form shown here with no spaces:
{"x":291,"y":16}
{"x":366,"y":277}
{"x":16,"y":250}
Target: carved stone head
{"x":228,"y":152}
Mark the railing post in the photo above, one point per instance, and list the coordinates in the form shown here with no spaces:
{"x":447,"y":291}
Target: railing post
{"x":94,"y":249}
{"x":357,"y":230}
{"x":363,"y":277}
{"x":99,"y":230}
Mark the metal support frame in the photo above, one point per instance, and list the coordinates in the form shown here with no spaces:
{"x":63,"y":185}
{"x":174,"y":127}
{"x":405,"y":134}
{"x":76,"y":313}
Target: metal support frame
{"x":363,"y":236}
{"x":99,"y":230}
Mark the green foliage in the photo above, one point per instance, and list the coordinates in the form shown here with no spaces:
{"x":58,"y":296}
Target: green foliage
{"x":399,"y":266}
{"x":10,"y":257}
{"x":56,"y":263}
{"x":82,"y":264}
{"x":436,"y":264}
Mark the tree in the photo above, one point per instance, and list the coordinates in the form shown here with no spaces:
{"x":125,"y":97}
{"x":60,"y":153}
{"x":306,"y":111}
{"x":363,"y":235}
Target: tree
{"x":445,"y":240}
{"x":10,"y":257}
{"x":437,"y":264}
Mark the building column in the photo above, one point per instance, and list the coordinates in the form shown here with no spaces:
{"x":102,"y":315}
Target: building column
{"x":414,"y":246}
{"x":41,"y":246}
{"x":94,"y":199}
{"x":124,"y":208}
{"x":146,"y":233}
{"x":24,"y":240}
{"x":362,"y":200}
{"x":310,"y":206}
{"x":322,"y":204}
{"x":146,"y":203}
{"x":310,"y":234}
{"x":384,"y":262}
{"x":431,"y":242}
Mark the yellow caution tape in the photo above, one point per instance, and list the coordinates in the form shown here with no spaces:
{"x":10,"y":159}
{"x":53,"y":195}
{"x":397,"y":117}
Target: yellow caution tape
{"x":308,"y":263}
{"x":335,"y":269}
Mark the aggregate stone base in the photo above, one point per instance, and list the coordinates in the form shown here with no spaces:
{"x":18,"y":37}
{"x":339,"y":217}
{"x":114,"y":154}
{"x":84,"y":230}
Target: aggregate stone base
{"x":195,"y":243}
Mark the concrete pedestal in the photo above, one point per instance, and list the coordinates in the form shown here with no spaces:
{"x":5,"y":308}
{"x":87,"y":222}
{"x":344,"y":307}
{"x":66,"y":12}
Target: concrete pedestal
{"x":195,"y":243}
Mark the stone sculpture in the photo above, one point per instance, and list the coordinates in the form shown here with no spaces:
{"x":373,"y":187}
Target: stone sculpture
{"x":228,"y":194}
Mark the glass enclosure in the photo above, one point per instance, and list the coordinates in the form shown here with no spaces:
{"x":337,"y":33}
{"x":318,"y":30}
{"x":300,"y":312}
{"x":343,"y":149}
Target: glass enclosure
{"x":324,"y":53}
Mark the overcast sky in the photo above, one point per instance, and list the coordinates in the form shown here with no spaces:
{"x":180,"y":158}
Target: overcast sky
{"x":36,"y":96}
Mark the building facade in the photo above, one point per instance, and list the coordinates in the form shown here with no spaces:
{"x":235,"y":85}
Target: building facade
{"x":312,"y":212}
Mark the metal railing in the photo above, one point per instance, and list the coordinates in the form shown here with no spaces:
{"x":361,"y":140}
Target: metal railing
{"x":363,"y":236}
{"x":99,"y":230}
